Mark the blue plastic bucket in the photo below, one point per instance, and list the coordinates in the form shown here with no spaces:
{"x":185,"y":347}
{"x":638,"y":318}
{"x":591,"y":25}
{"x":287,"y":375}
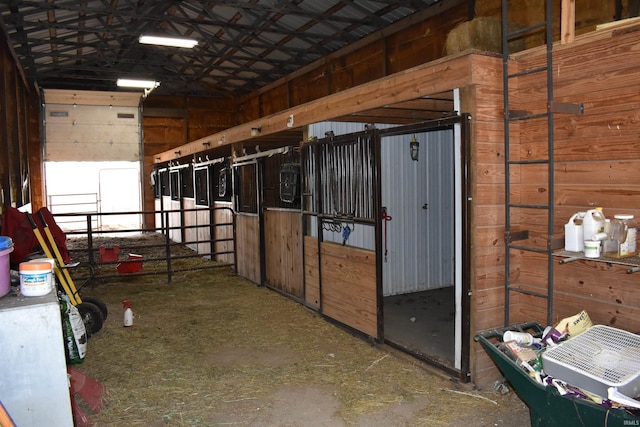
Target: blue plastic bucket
{"x":6,"y":247}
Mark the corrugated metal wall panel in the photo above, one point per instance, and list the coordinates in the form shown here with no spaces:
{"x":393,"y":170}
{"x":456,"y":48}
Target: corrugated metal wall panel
{"x":419,"y":242}
{"x":419,"y":197}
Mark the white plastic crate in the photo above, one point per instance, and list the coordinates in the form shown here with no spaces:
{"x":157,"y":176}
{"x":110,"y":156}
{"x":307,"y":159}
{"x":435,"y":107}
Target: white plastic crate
{"x":599,"y":358}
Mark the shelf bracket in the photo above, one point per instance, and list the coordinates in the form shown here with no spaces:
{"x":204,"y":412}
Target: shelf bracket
{"x":514,"y":114}
{"x":514,"y":236}
{"x":566,"y":107}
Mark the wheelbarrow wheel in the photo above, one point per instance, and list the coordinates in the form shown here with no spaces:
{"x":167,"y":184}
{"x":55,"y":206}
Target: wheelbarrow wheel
{"x":91,"y":317}
{"x":98,"y":302}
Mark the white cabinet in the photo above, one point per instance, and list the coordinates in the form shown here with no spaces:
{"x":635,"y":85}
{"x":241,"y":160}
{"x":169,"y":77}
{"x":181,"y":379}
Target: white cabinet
{"x":33,"y":372}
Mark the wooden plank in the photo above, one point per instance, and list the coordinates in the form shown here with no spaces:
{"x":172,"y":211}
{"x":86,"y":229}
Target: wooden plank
{"x":190,"y":219}
{"x":610,"y":173}
{"x":202,"y":233}
{"x":247,"y":247}
{"x":283,"y":251}
{"x":349,"y":287}
{"x":223,"y":216}
{"x":311,"y":273}
{"x":434,"y":77}
{"x":568,"y":21}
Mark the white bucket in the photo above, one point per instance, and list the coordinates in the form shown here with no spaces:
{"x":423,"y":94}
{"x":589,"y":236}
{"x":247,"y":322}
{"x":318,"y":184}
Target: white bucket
{"x":574,"y":234}
{"x":35,"y":278}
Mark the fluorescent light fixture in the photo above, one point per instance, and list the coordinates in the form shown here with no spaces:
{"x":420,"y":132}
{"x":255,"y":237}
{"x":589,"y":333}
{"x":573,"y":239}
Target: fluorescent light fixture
{"x":168,"y":41}
{"x":143,"y":84}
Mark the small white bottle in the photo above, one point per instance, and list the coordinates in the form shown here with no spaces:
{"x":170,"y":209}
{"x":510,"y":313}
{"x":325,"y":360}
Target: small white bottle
{"x":128,"y":313}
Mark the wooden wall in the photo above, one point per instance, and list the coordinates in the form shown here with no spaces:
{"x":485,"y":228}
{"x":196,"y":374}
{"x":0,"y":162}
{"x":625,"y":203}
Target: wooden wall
{"x":484,"y":101}
{"x":248,"y":247}
{"x":223,"y":216}
{"x":597,"y":156}
{"x":171,"y":121}
{"x":21,"y":172}
{"x":348,"y":288}
{"x":311,"y":273}
{"x":340,"y":282}
{"x":422,"y":41}
{"x":283,"y":251}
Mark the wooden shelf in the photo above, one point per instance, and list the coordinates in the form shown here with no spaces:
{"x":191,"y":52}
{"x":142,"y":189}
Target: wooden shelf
{"x":633,"y":262}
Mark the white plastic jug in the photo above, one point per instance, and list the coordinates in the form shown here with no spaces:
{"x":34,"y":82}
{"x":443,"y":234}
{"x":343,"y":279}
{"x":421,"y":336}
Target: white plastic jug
{"x":574,"y":233}
{"x":592,"y":223}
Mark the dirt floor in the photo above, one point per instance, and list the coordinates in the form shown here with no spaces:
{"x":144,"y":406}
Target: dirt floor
{"x":212,"y":349}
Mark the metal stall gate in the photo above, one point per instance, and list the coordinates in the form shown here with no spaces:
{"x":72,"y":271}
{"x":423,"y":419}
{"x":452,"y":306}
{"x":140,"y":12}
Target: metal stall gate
{"x":341,"y":181}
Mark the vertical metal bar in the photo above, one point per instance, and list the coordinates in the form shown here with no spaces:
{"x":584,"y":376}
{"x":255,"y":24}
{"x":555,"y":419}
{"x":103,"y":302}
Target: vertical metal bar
{"x":507,"y":172}
{"x":377,"y":202}
{"x":235,"y":258}
{"x":167,"y":243}
{"x":90,"y":241}
{"x":551,"y":148}
{"x":212,"y":233}
{"x":259,"y":167}
{"x":319,"y":179}
{"x":466,"y":202}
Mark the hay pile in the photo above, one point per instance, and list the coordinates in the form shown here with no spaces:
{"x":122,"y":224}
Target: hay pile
{"x":481,"y":33}
{"x":213,"y":349}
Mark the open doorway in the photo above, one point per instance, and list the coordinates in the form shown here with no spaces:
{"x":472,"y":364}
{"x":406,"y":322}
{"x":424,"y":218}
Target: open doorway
{"x":94,"y":187}
{"x":421,"y":238}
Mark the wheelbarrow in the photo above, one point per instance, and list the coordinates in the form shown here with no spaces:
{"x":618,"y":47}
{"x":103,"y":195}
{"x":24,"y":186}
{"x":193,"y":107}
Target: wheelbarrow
{"x":547,"y":407}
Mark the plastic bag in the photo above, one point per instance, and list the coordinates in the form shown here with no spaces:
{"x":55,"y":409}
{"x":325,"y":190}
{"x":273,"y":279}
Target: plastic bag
{"x":74,"y":332}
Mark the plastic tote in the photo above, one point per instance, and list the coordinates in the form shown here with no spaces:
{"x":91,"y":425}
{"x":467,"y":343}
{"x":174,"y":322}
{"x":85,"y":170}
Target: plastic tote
{"x":6,"y":247}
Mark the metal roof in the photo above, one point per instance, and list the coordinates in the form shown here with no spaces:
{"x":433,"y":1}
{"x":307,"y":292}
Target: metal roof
{"x":243,"y":45}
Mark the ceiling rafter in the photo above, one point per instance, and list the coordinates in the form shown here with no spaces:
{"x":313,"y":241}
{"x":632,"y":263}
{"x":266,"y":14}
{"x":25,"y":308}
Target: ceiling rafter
{"x":244,"y":45}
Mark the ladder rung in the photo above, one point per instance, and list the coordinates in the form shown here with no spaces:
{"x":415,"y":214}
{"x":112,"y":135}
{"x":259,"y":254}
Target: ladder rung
{"x":524,"y":291}
{"x":527,"y":162}
{"x":530,"y":71}
{"x":525,"y":30}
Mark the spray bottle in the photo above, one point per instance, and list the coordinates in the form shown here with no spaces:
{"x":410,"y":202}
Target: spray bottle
{"x":128,"y":314}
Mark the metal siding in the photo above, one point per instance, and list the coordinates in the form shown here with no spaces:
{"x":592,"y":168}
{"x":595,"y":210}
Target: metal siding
{"x":420,"y":243}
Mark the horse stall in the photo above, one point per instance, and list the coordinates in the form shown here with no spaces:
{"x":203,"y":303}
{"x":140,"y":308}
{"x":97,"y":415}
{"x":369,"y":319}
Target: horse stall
{"x":412,"y":301}
{"x":193,"y":205}
{"x":267,"y":200}
{"x":467,"y":247}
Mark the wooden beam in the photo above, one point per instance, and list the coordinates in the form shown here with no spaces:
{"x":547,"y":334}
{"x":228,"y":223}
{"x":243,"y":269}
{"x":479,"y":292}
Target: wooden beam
{"x":568,"y":21}
{"x":437,"y":76}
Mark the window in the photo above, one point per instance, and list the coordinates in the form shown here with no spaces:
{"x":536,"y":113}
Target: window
{"x":221,"y":182}
{"x":164,"y":182}
{"x":281,"y":187}
{"x":202,"y":186}
{"x":247,"y":194}
{"x":186,"y":179}
{"x":174,"y":183}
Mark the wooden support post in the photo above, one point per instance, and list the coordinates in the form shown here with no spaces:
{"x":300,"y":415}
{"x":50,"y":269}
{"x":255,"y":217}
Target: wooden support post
{"x":568,"y":21}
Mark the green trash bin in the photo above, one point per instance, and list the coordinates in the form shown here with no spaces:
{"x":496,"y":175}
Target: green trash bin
{"x":546,"y":406}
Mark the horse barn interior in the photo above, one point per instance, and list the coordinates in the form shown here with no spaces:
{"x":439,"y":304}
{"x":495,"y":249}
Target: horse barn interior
{"x":371,"y":170}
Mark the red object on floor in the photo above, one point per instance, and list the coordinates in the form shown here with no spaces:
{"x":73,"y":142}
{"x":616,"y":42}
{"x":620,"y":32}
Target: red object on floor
{"x":90,"y":390}
{"x":109,"y":254}
{"x":132,"y":264}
